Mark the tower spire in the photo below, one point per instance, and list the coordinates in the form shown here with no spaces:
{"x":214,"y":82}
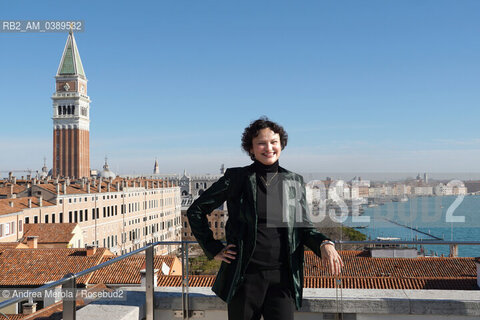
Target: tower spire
{"x":71,"y":64}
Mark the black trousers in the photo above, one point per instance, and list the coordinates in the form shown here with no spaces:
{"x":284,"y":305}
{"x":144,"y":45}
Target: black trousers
{"x":264,"y":293}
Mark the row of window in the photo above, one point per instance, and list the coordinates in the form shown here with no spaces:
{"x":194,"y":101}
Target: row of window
{"x":74,"y":200}
{"x":199,"y":185}
{"x":151,"y":203}
{"x":62,"y":110}
{"x":82,"y":215}
{"x":112,"y":240}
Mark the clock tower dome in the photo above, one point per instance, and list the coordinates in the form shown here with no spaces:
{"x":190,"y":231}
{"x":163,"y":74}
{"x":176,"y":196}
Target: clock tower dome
{"x":71,"y":116}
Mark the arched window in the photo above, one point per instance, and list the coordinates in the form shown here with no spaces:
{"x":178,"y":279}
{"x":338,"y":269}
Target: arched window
{"x":73,"y":109}
{"x":68,"y":110}
{"x":64,"y":110}
{"x":59,"y":110}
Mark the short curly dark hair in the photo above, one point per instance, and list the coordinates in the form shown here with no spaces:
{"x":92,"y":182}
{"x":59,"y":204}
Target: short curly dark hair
{"x":253,"y":130}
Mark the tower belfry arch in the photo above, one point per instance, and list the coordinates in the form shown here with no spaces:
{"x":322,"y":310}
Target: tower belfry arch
{"x":71,"y":116}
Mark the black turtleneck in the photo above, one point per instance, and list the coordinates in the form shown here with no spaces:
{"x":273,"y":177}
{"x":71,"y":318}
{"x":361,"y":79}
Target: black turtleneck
{"x":271,"y":246}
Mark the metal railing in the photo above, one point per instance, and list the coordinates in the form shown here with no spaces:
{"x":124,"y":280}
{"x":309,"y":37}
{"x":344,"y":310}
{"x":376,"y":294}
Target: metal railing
{"x":68,"y":282}
{"x":453,"y":244}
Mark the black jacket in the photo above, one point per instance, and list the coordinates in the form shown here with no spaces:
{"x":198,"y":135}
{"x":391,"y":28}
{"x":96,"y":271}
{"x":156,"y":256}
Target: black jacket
{"x":238,"y":187}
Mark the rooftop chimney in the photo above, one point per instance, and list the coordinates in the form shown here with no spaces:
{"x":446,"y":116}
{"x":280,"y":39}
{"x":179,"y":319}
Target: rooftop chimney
{"x":29,"y":307}
{"x":14,"y":180}
{"x":118,"y":186}
{"x":64,"y":188}
{"x":83,"y":184}
{"x":32,"y":242}
{"x":29,"y":202}
{"x":10,"y":203}
{"x":91,"y":250}
{"x":57,"y":188}
{"x":108,"y":187}
{"x":67,"y":181}
{"x":88,"y":187}
{"x":40,"y":200}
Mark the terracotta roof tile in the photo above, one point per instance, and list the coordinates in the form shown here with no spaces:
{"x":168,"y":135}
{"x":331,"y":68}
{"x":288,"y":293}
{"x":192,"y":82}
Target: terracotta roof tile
{"x":49,"y":232}
{"x":5,"y":191}
{"x":13,"y":316}
{"x":361,"y":266}
{"x":76,"y":187}
{"x":127,"y":271}
{"x":20,"y":204}
{"x":391,"y":283}
{"x":12,"y":245}
{"x":364,"y":272}
{"x":34,"y":267}
{"x":193,"y":281}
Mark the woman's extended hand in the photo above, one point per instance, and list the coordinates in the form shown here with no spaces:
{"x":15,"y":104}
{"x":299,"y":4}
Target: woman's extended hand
{"x":331,"y":258}
{"x":226,"y":253}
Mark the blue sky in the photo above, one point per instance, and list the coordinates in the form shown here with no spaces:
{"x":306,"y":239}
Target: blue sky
{"x":360,"y":86}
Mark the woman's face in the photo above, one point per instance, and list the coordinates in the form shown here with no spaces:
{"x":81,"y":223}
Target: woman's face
{"x":266,"y":146}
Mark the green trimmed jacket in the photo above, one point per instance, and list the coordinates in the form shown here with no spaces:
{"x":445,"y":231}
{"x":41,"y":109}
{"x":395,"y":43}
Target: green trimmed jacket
{"x":238,"y":187}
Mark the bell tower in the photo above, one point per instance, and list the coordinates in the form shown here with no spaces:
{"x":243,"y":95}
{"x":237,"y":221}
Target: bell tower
{"x":71,"y":116}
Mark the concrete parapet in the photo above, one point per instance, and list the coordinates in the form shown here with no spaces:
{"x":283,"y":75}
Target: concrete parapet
{"x":317,"y":304}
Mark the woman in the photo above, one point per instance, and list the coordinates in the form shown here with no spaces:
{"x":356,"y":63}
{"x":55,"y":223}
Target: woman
{"x":262,"y":264}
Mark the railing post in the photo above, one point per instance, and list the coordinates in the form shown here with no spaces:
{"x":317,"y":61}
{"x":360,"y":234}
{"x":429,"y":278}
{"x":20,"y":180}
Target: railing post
{"x":185,"y":304}
{"x":182,"y":256}
{"x":186,"y":298}
{"x":70,"y":297}
{"x":149,"y":285}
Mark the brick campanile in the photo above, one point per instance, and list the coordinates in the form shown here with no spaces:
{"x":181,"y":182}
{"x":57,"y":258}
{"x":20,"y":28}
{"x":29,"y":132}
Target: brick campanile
{"x":71,"y":116}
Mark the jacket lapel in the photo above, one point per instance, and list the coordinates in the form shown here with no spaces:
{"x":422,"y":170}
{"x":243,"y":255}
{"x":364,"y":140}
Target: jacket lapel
{"x":252,"y":191}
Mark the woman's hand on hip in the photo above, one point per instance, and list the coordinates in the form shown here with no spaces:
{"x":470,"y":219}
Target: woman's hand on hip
{"x":226,"y":254}
{"x":331,"y":258}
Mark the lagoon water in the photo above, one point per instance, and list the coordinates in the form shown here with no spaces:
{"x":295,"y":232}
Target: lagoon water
{"x":447,"y":217}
